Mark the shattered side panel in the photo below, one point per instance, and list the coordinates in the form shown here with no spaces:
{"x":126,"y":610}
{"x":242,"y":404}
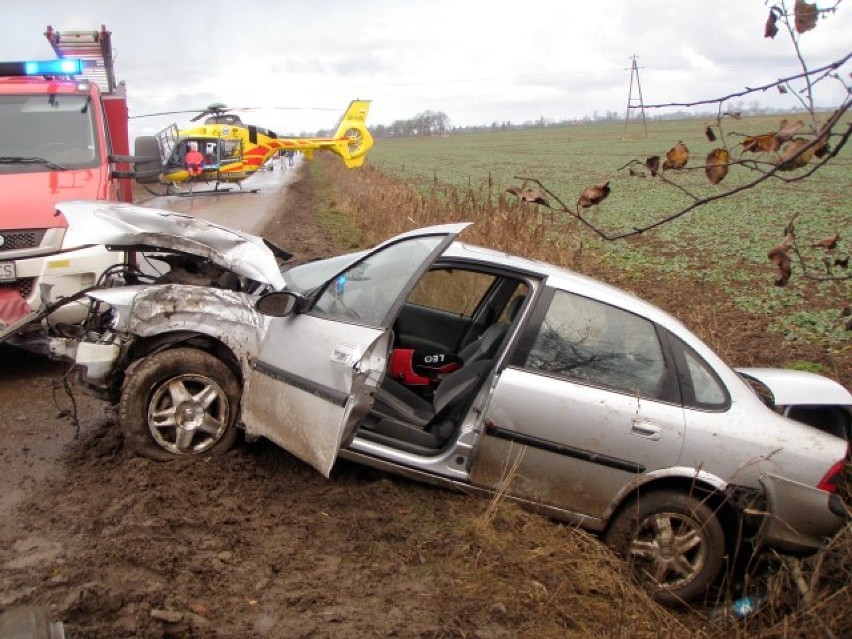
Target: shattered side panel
{"x":225,"y":315}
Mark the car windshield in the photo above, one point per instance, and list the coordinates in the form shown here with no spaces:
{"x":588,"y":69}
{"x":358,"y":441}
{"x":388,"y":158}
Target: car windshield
{"x":306,"y":277}
{"x":46,"y":132}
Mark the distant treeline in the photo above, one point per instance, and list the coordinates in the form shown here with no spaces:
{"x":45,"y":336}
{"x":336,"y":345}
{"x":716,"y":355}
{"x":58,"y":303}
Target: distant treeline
{"x":429,"y":123}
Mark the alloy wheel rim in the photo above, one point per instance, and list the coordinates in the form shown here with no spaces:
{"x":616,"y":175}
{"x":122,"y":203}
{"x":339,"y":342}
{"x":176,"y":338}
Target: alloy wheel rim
{"x":188,"y":414}
{"x":669,"y":549}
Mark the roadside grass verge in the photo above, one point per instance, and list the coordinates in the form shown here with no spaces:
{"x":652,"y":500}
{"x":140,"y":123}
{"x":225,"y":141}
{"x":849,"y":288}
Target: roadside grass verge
{"x":382,"y":205}
{"x":724,"y":243}
{"x":342,"y":230}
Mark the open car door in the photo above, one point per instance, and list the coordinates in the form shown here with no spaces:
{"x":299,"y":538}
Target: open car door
{"x":318,"y":369}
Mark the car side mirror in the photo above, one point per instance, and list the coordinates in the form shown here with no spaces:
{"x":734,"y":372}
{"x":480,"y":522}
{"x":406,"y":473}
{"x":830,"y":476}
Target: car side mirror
{"x":279,"y":303}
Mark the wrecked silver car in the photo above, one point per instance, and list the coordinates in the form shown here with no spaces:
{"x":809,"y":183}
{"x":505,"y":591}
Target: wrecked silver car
{"x":468,"y":368}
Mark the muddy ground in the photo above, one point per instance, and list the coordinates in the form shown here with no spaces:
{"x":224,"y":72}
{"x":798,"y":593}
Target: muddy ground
{"x":255,"y":543}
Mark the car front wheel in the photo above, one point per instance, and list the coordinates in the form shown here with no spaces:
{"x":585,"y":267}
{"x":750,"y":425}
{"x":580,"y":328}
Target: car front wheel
{"x":673,"y":542}
{"x":180,"y":402}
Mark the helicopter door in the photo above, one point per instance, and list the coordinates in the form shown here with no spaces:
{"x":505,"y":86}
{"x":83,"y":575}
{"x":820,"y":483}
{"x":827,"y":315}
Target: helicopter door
{"x":211,"y":155}
{"x":167,"y":140}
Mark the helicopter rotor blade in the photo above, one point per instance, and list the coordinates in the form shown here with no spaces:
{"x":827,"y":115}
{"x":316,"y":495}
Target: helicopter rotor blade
{"x":219,"y":108}
{"x":152,"y":115}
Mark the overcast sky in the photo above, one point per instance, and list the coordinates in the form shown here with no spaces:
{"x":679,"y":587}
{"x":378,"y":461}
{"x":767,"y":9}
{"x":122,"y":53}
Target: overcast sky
{"x":478,"y":61}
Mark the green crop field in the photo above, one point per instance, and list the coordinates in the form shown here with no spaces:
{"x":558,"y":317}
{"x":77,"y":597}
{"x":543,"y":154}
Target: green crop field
{"x":724,"y":242}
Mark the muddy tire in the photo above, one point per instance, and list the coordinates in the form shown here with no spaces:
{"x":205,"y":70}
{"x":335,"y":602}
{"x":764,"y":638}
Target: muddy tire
{"x":672,"y":541}
{"x":178,"y":403}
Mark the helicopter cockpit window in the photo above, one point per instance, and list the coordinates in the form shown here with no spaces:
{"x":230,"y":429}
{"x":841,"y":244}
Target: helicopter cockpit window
{"x":56,"y":128}
{"x":230,"y":149}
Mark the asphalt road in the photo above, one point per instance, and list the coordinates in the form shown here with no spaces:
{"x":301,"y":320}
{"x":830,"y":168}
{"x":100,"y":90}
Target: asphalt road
{"x":244,"y":209}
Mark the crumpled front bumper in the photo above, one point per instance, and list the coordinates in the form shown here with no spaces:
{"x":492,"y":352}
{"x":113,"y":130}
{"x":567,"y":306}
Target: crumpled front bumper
{"x":799,"y":517}
{"x":95,"y":361}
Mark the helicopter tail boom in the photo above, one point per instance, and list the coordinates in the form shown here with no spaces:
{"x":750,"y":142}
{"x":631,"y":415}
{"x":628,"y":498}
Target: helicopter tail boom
{"x":352,"y":139}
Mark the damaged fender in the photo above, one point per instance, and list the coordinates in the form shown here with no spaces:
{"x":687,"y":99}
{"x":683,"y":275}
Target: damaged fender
{"x":155,"y":311}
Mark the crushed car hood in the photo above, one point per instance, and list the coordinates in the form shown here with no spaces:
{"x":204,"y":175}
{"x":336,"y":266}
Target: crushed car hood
{"x":140,"y":228}
{"x":799,"y":388}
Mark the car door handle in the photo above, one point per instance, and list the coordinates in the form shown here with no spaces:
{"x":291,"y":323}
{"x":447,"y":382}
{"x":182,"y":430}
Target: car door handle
{"x":341,"y":355}
{"x":649,"y":430}
{"x":345,"y":354}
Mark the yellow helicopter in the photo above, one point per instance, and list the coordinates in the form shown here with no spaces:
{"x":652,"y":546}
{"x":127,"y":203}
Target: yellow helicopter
{"x":231,"y":150}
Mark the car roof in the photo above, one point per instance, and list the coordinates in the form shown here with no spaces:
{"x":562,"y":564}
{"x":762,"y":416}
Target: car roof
{"x":563,"y":278}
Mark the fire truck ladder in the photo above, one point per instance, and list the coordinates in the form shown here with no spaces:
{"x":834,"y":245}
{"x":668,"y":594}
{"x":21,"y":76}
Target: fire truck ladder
{"x":93,"y":46}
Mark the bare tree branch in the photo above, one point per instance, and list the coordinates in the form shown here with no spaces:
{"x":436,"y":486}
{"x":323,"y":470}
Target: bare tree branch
{"x":827,"y":69}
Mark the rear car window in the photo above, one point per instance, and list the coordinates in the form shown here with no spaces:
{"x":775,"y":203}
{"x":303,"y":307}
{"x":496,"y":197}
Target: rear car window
{"x":700,"y":386}
{"x":591,"y":342}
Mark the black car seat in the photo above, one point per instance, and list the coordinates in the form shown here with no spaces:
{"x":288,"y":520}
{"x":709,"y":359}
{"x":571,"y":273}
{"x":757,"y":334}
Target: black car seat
{"x":407,"y":417}
{"x":396,"y":399}
{"x":487,"y":344}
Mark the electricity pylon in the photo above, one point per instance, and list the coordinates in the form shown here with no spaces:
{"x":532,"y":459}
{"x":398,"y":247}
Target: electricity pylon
{"x":634,"y":73}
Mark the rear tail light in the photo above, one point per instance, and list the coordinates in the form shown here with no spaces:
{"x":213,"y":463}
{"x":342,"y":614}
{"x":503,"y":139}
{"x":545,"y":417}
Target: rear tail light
{"x":832,"y":477}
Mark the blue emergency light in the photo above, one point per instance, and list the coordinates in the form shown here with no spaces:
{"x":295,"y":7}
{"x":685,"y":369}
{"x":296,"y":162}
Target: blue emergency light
{"x":61,"y":66}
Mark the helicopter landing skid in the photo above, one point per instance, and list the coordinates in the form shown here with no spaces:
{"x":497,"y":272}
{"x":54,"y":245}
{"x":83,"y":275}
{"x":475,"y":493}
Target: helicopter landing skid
{"x":217,"y":192}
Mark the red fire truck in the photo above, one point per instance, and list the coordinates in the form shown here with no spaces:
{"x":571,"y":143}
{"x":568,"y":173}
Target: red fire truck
{"x":65,"y":137}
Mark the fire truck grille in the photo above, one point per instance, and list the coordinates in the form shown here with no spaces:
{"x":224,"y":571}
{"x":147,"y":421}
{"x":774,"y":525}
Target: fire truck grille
{"x":25,"y":286}
{"x":15,"y":240}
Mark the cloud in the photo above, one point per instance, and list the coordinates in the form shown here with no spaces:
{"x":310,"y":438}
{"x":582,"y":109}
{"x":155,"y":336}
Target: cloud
{"x":478,"y":61}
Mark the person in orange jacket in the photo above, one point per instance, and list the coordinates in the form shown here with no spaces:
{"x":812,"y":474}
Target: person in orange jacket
{"x":194,"y":161}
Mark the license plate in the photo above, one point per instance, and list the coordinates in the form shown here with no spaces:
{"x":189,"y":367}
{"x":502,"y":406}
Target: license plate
{"x":7,"y":272}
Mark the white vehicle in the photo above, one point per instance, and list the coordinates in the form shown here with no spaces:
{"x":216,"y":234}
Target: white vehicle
{"x":611,"y":414}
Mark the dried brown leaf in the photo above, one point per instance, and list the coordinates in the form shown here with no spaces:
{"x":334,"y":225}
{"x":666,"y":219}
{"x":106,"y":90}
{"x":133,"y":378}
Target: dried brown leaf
{"x":796,"y":154}
{"x":827,"y":243}
{"x":676,"y":157}
{"x":771,"y":28}
{"x":594,"y":195}
{"x":787,"y":130}
{"x":708,"y":133}
{"x":805,"y":16}
{"x":716,"y":167}
{"x":528,"y":194}
{"x":779,"y":256}
{"x":782,"y":88}
{"x":765,"y":143}
{"x":653,"y":164}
